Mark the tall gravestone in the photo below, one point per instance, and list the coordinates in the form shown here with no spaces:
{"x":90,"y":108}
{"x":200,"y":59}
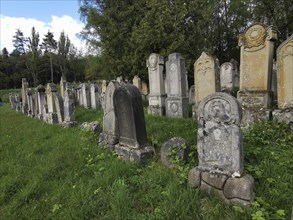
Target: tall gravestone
{"x":95,"y":96}
{"x":109,"y":136}
{"x":62,"y":86}
{"x":285,"y":81}
{"x":41,"y":100}
{"x":24,"y":88}
{"x":157,"y":96}
{"x":206,"y":78}
{"x":131,"y":124}
{"x":220,"y":151}
{"x":256,"y":63}
{"x":229,"y":77}
{"x":69,"y":107}
{"x":51,"y":116}
{"x":59,"y":104}
{"x":85,"y":93}
{"x":177,"y":98}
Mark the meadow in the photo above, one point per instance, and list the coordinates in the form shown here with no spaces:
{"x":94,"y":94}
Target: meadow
{"x":48,"y":172}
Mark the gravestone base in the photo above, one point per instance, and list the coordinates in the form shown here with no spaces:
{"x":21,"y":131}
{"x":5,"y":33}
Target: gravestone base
{"x":141,"y":155}
{"x":177,"y":107}
{"x":108,"y":141}
{"x":157,"y":105}
{"x":232,"y":190}
{"x":255,"y":114}
{"x":69,"y":124}
{"x":284,"y":115}
{"x":52,"y":118}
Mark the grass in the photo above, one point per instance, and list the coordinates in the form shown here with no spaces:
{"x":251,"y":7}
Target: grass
{"x":48,"y":172}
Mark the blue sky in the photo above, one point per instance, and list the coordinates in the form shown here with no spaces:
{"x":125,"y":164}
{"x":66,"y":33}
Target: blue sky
{"x":44,"y":15}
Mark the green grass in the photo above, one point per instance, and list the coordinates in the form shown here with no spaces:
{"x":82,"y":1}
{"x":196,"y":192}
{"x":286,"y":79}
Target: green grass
{"x":47,"y":172}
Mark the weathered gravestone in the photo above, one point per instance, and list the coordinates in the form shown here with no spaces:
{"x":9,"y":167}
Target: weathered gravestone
{"x":24,"y":104}
{"x":191,"y":95}
{"x":220,"y":151}
{"x":131,"y":124}
{"x":137,"y":82}
{"x":59,"y":104}
{"x":229,"y":77}
{"x":157,"y":96}
{"x":256,"y":60}
{"x":95,"y":96}
{"x":30,"y":103}
{"x":285,"y":81}
{"x":206,"y":78}
{"x":109,"y":136}
{"x":62,"y":86}
{"x":177,"y":98}
{"x":12,"y":101}
{"x":85,"y":93}
{"x":51,"y":116}
{"x":69,"y":107}
{"x":41,"y":100}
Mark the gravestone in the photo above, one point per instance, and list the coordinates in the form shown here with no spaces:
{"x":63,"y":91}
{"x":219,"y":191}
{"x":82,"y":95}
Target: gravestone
{"x":256,"y":63}
{"x":137,"y":82}
{"x":95,"y":96}
{"x":220,"y":151}
{"x":30,"y":103}
{"x":192,"y":94}
{"x":144,"y":88}
{"x":104,"y":86}
{"x":41,"y":100}
{"x":85,"y":95}
{"x":62,"y":86}
{"x":285,"y":82}
{"x":51,"y":116}
{"x":59,"y":107}
{"x":109,"y":136}
{"x":177,"y":98}
{"x":131,"y":124}
{"x":18,"y":103}
{"x":274,"y":84}
{"x":69,"y":107}
{"x":229,"y":77}
{"x":24,"y":88}
{"x":206,"y":78}
{"x":12,"y":101}
{"x":157,"y":96}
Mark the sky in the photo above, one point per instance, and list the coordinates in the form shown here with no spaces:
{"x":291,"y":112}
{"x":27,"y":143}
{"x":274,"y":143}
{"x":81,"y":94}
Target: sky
{"x":45,"y":15}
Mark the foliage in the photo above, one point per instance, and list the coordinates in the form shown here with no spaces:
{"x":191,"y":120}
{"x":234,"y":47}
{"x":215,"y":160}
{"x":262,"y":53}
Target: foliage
{"x":62,"y":174}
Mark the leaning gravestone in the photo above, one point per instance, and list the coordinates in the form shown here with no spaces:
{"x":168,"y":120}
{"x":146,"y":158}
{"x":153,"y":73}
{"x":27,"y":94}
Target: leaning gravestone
{"x":109,"y":136}
{"x":131,"y":124}
{"x":157,"y":96}
{"x":220,"y":151}
{"x":256,"y":63}
{"x":177,"y":98}
{"x":285,"y":82}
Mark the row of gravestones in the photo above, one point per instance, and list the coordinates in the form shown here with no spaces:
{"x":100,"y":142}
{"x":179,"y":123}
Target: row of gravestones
{"x":259,"y":83}
{"x":46,"y":103}
{"x":220,"y":146}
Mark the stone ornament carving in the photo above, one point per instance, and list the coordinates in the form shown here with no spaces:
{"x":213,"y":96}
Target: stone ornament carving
{"x":255,"y":36}
{"x":154,"y":61}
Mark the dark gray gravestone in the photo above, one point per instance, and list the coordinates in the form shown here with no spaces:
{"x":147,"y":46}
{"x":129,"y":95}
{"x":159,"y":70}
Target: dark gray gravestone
{"x":131,"y":123}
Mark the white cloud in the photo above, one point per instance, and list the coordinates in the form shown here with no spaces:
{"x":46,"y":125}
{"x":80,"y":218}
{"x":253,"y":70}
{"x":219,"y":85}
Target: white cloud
{"x":9,"y":25}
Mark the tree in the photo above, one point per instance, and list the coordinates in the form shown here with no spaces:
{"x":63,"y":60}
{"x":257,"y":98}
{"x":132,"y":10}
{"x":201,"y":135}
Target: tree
{"x":63,"y":51}
{"x":49,"y":45}
{"x":19,"y":42}
{"x":33,"y":55}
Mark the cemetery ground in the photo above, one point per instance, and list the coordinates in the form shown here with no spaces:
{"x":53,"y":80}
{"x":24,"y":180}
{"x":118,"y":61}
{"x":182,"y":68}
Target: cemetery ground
{"x":48,"y":172}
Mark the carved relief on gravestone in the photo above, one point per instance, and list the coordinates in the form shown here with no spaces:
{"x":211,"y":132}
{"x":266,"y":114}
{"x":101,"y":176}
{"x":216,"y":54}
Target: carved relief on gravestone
{"x":220,"y":151}
{"x":131,"y":124}
{"x":177,"y":99}
{"x":157,"y":96}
